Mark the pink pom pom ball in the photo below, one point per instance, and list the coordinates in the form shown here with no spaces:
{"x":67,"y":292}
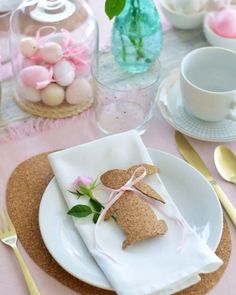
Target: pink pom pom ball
{"x":33,"y":75}
{"x":223,"y":23}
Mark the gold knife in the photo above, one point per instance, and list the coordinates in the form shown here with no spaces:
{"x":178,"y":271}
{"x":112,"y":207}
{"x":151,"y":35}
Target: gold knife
{"x":192,"y":157}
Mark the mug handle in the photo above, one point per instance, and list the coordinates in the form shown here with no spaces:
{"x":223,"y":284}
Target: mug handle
{"x":232,"y":116}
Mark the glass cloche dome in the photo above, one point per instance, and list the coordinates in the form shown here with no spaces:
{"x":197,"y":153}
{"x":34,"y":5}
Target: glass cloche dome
{"x":52,"y":44}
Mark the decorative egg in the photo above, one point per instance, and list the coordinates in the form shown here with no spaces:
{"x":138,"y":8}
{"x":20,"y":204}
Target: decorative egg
{"x":32,"y":76}
{"x":53,"y":95}
{"x":29,"y":93}
{"x":51,"y":52}
{"x":63,"y":73}
{"x":223,"y":23}
{"x":28,"y":46}
{"x":79,"y":90}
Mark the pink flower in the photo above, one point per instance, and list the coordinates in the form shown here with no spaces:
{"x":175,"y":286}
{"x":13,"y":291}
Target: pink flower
{"x":82,"y":181}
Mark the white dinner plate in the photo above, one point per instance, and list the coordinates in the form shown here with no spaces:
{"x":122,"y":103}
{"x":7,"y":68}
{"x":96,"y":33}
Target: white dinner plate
{"x":190,"y":191}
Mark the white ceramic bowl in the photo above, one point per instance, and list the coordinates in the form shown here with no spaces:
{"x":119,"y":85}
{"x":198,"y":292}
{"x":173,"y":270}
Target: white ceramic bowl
{"x":182,"y":21}
{"x":215,"y":39}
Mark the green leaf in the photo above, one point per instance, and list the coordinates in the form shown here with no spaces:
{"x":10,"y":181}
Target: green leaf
{"x":80,"y":211}
{"x":96,"y":205}
{"x":114,"y":7}
{"x":95,"y":217}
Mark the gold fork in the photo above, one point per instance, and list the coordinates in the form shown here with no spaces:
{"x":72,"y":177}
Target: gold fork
{"x":8,"y":236}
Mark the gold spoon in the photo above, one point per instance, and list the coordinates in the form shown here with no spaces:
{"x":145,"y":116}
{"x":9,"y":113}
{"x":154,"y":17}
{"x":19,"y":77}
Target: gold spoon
{"x":225,"y":162}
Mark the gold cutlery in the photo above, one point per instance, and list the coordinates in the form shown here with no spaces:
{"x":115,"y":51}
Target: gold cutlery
{"x":9,"y":237}
{"x":225,"y":162}
{"x":192,"y":157}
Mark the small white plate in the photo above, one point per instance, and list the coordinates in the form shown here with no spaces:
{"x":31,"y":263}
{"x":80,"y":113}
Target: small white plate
{"x":200,"y":207}
{"x":172,"y":109}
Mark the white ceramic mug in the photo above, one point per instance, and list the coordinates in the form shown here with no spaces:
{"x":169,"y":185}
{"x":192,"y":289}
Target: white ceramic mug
{"x":208,"y":83}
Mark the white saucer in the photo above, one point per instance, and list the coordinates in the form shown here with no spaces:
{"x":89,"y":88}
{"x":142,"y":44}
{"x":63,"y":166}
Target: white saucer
{"x":172,"y":109}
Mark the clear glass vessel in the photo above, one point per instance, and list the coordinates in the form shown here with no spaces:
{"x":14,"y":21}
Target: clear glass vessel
{"x":52,"y":44}
{"x":123,"y":100}
{"x":137,"y":36}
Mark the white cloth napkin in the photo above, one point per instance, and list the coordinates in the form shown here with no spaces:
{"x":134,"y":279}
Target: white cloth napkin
{"x":154,"y":266}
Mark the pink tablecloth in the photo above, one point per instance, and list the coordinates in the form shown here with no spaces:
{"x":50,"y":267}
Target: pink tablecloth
{"x":159,"y":135}
{"x":75,"y":131}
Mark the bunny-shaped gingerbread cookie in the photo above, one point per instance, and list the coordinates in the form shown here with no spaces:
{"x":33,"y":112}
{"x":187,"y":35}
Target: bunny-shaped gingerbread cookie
{"x":134,"y":216}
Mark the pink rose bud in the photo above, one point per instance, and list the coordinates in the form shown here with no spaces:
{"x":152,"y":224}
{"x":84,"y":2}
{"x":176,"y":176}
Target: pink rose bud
{"x":82,"y":180}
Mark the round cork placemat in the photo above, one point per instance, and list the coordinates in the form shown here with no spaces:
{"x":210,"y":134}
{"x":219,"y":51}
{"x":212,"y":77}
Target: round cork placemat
{"x":24,"y":191}
{"x":61,"y":111}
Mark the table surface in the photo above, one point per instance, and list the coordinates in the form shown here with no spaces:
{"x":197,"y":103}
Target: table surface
{"x":159,"y":135}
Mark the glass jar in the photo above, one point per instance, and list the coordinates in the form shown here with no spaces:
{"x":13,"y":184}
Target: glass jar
{"x":52,"y":44}
{"x":137,"y":36}
{"x":124,"y":100}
